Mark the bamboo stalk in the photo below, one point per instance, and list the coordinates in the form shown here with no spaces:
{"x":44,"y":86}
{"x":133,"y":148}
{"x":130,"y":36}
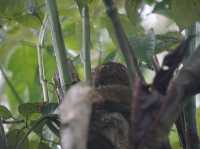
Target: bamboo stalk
{"x":40,"y":45}
{"x":59,"y":46}
{"x":86,"y":44}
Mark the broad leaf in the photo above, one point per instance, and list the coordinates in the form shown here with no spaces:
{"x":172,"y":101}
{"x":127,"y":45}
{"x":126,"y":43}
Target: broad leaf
{"x":49,"y":108}
{"x":14,"y":136}
{"x":43,"y":146}
{"x":29,"y":108}
{"x":5,"y":113}
{"x":183,"y":12}
{"x":23,"y":65}
{"x":132,"y":7}
{"x":110,"y":57}
{"x":27,"y":12}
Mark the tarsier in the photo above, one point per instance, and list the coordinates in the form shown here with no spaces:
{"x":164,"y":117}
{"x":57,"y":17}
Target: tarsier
{"x":110,"y":98}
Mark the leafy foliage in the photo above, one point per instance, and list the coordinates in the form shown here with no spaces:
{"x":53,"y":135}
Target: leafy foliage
{"x":20,"y":21}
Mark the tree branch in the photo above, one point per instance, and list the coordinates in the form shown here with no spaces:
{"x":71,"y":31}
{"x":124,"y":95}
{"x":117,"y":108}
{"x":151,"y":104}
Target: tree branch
{"x":127,"y":51}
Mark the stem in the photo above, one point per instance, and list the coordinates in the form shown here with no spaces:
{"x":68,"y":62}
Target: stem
{"x":190,"y":108}
{"x":50,"y":141}
{"x":155,"y":63}
{"x":12,"y":122}
{"x":3,"y":140}
{"x":19,"y":99}
{"x":41,"y":60}
{"x":59,"y":46}
{"x":127,"y":51}
{"x":86,"y":43}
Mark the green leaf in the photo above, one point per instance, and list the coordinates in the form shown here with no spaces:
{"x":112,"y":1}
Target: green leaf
{"x":130,"y":29}
{"x":163,"y":7}
{"x":167,"y":41}
{"x":53,"y":127}
{"x":143,"y":47}
{"x":191,"y":9}
{"x":174,"y":139}
{"x":72,"y":30}
{"x":23,"y":63}
{"x":33,"y":144}
{"x":67,"y":8}
{"x":175,"y":10}
{"x":4,"y":112}
{"x":13,"y":37}
{"x":150,"y":2}
{"x":25,"y":12}
{"x":49,"y":108}
{"x":29,"y":108}
{"x":110,"y":56}
{"x":34,"y":141}
{"x":132,"y":7}
{"x":23,"y":66}
{"x":43,"y":146}
{"x":40,"y":125}
{"x":14,"y":136}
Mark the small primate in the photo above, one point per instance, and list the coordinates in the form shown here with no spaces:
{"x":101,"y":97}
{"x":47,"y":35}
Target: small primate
{"x":98,"y":113}
{"x":109,"y":124}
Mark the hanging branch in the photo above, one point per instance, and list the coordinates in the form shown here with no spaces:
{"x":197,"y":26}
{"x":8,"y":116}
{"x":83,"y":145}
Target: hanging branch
{"x":127,"y":51}
{"x":59,"y":47}
{"x":19,"y":99}
{"x":86,"y":43}
{"x":40,"y":45}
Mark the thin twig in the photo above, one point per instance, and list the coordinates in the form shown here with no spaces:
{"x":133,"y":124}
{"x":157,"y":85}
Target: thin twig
{"x":12,"y":122}
{"x":41,"y":60}
{"x":155,"y":63}
{"x":11,"y":86}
